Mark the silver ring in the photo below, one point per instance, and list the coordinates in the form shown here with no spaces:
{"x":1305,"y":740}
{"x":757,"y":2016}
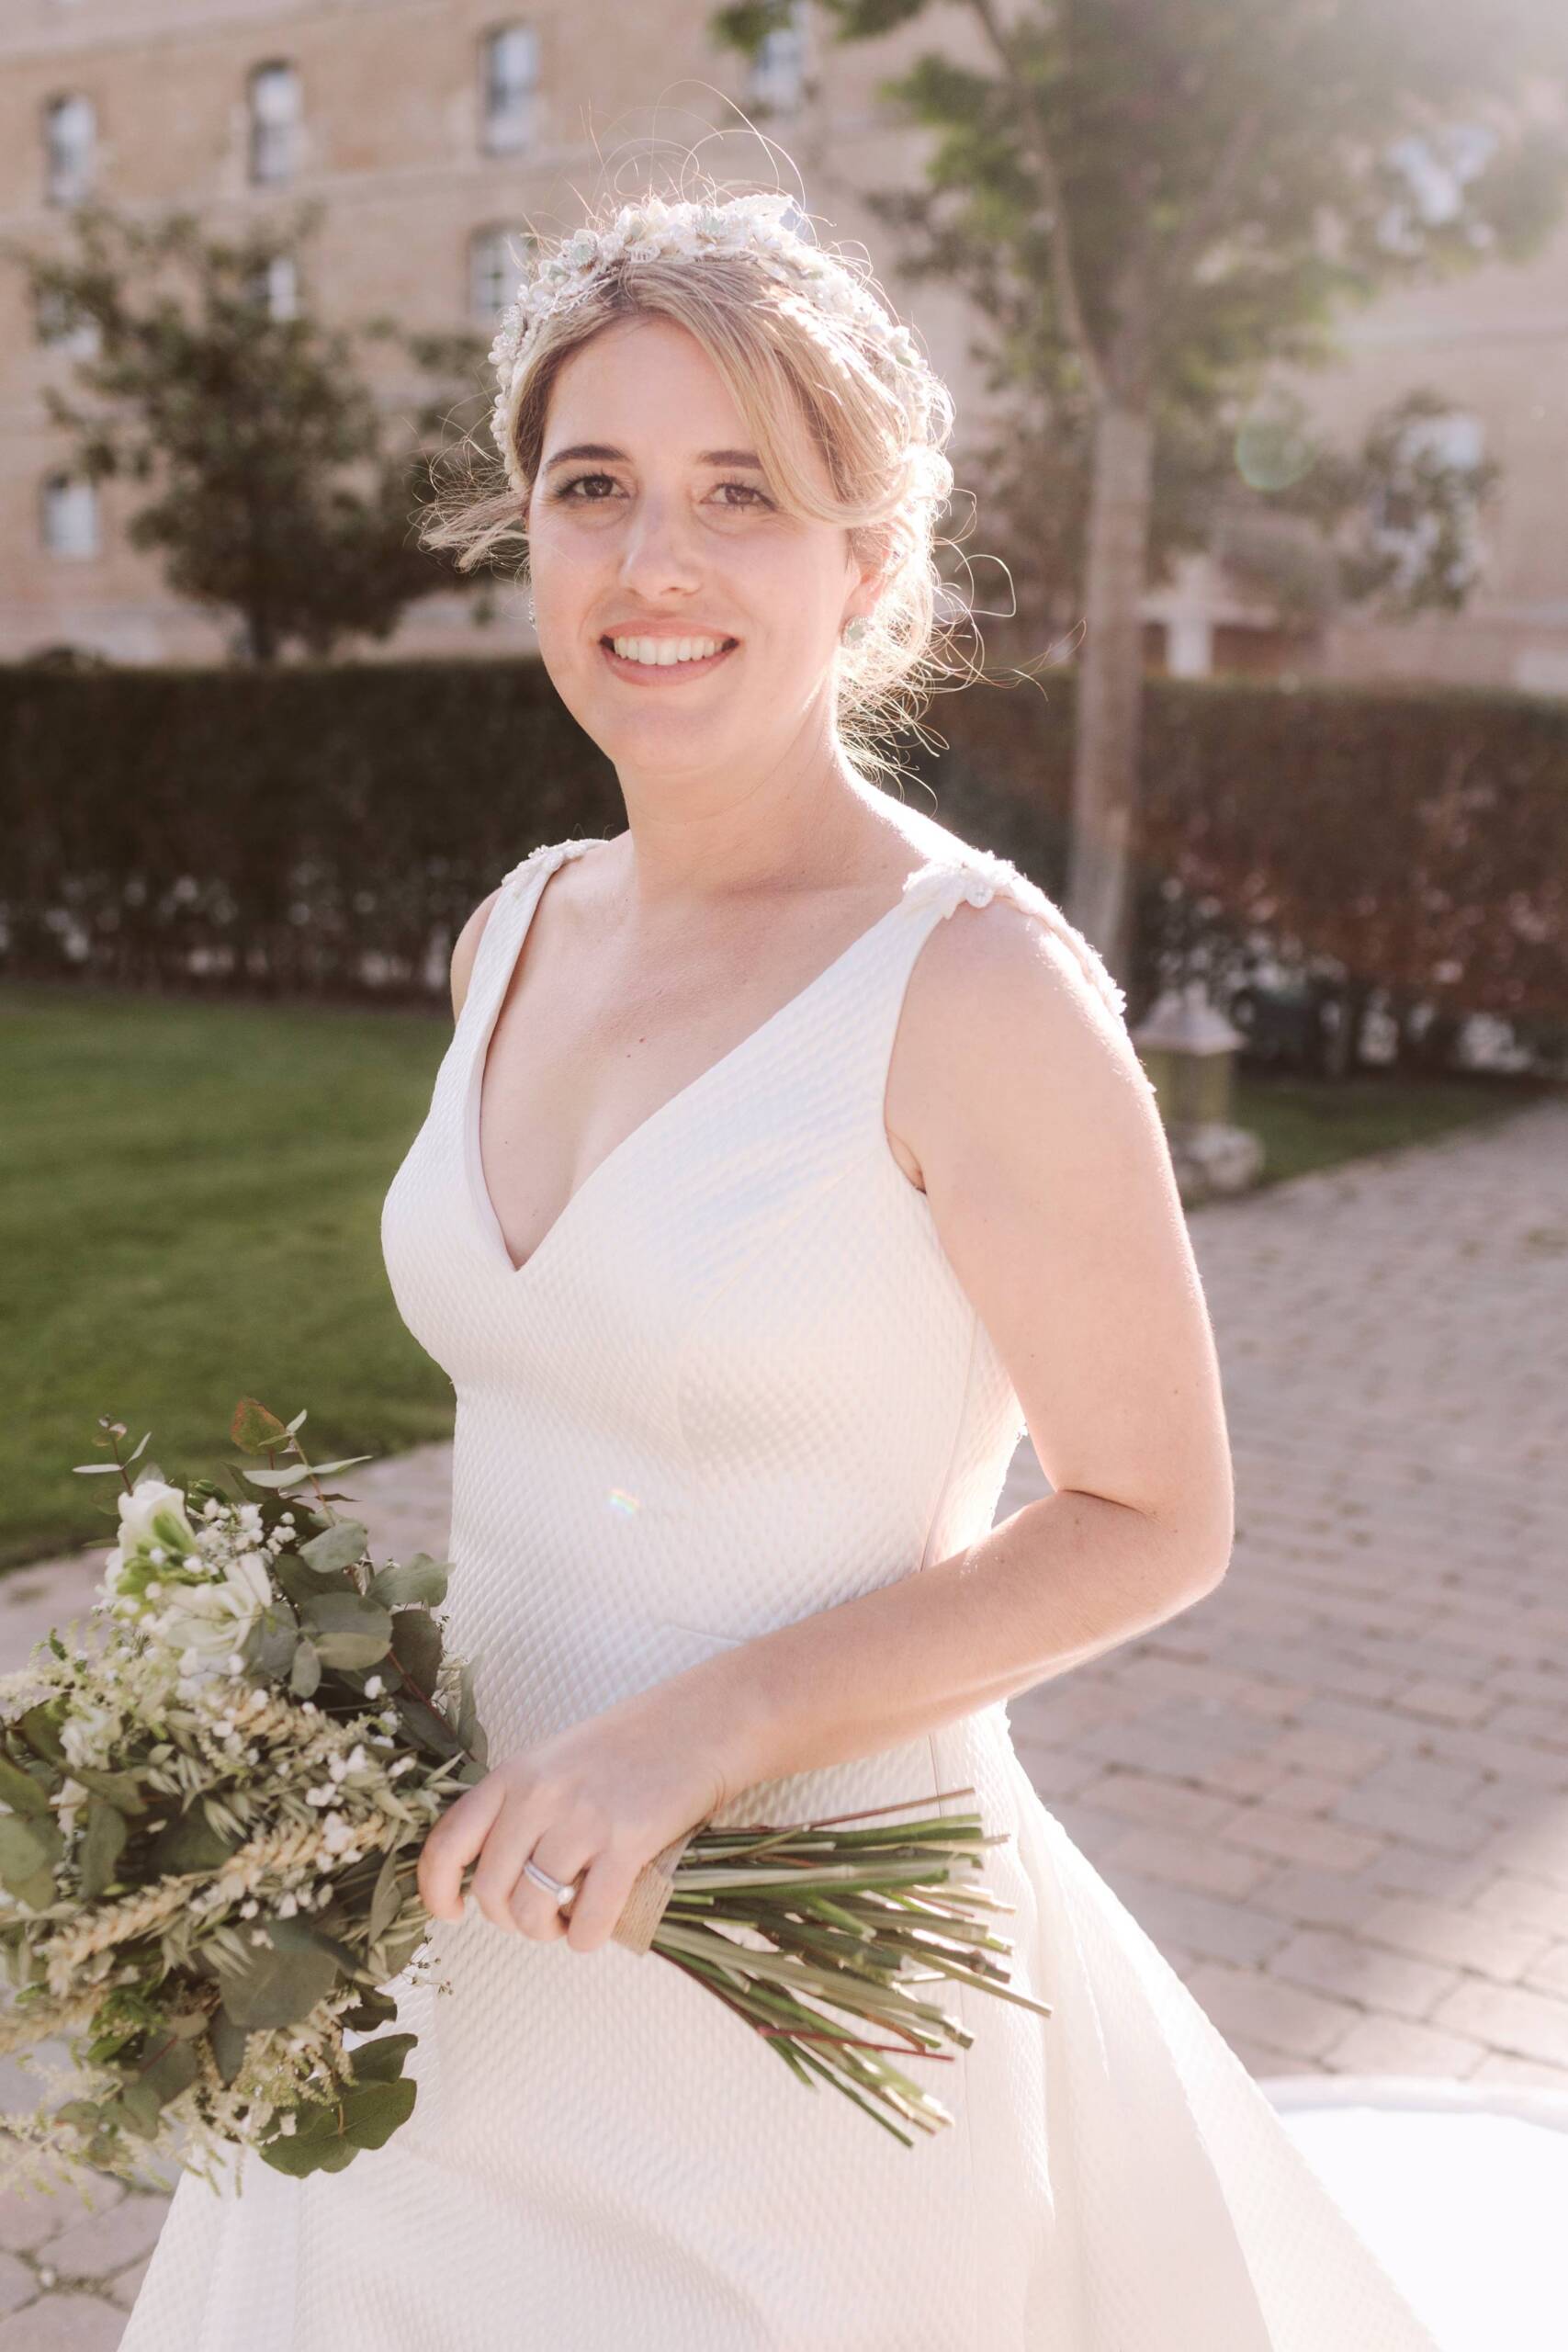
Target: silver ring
{"x":562,"y":1889}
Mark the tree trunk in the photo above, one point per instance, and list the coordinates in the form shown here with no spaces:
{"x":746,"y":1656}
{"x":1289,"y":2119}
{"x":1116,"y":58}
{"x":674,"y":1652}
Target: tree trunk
{"x":1110,"y":681}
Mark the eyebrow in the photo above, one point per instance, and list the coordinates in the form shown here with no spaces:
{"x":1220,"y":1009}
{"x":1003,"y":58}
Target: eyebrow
{"x":603,"y":449}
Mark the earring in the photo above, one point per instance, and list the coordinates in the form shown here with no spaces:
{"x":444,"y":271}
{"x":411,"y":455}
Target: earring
{"x":854,"y":629}
{"x":532,"y":616}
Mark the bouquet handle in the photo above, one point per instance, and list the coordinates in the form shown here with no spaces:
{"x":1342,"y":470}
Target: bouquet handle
{"x":651,"y":1891}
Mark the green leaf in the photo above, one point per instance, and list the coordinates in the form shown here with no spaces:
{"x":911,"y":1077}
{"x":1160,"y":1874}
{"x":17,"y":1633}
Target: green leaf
{"x":387,"y":1897}
{"x":270,"y":1643}
{"x":338,"y":1546}
{"x":381,"y":2061}
{"x":187,"y":1844}
{"x":305,"y":1672}
{"x":332,"y":2133}
{"x":27,"y":1849}
{"x":278,"y":1985}
{"x":227,"y":2041}
{"x":300,"y":1582}
{"x":22,"y":1790}
{"x":123,"y":1789}
{"x":348,"y":1629}
{"x":39,"y":1728}
{"x":103,"y":1842}
{"x":173,"y":2071}
{"x":291,"y":1478}
{"x":373,"y":2007}
{"x":417,"y":1645}
{"x":406,"y":1583}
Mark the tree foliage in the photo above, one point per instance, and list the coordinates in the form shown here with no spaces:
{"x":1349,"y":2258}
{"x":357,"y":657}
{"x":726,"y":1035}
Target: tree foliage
{"x":278,"y":490}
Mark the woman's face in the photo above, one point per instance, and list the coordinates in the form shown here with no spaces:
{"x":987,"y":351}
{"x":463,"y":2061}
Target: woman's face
{"x":652,"y":525}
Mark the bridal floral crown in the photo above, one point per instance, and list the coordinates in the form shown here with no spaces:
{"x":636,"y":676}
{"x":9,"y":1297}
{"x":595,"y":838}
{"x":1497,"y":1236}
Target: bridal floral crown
{"x":820,"y":289}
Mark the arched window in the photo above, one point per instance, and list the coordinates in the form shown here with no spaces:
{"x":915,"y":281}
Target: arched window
{"x":277,"y":111}
{"x":511,"y":87}
{"x":70,"y":516}
{"x":496,"y":261}
{"x":71,"y":138}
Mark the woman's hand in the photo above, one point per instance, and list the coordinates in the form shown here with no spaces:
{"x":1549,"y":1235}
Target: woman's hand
{"x":602,"y":1798}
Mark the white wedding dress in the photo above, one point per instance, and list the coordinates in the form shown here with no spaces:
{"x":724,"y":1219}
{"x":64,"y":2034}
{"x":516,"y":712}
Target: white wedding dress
{"x":738,"y":1382}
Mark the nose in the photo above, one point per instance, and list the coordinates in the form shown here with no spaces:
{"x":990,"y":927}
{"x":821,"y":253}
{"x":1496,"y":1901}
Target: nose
{"x":659,"y":554}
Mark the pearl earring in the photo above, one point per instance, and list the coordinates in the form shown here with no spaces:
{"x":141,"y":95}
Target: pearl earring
{"x":855,"y":629}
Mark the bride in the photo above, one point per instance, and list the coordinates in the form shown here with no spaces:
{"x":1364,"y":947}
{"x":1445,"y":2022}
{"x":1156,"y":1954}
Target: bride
{"x":789,"y":1160}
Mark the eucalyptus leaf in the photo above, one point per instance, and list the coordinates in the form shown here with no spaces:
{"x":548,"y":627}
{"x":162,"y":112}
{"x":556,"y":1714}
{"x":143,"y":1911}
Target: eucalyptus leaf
{"x":338,"y":1546}
{"x":272,"y":1639}
{"x":382,"y":2061}
{"x":22,"y":1790}
{"x":227,"y":2041}
{"x":406,"y":1583}
{"x":123,"y":1789}
{"x":417,"y":1645}
{"x":277,"y":1985}
{"x":386,"y":1898}
{"x":347,"y":1628}
{"x":300,"y":1581}
{"x":27,"y":1848}
{"x":306,"y":1671}
{"x":187,"y":1844}
{"x":103,"y":1843}
{"x":39,"y":1728}
{"x":330,"y":2136}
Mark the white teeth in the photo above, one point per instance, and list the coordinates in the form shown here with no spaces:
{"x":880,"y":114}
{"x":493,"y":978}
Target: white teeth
{"x":660,"y":652}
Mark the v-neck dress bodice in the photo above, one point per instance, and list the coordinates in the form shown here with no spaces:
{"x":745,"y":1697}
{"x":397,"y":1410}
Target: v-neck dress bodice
{"x":738,"y":1382}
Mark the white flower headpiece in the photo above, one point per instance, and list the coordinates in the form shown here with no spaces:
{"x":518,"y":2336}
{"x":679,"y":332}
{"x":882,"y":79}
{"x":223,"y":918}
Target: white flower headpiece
{"x":821,"y":287}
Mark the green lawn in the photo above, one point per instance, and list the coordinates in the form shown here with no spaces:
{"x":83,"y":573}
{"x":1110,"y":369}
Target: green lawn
{"x":190,"y":1203}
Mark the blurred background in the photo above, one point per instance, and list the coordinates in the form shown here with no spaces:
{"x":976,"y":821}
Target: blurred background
{"x":1256,"y":314}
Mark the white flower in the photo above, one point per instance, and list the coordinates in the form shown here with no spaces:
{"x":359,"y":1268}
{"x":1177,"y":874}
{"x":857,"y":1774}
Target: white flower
{"x":154,"y":1513}
{"x":372,"y":1687}
{"x":247,"y":1573}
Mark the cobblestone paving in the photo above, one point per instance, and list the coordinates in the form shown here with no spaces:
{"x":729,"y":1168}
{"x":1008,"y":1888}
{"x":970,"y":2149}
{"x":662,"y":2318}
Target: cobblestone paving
{"x":1335,"y":1791}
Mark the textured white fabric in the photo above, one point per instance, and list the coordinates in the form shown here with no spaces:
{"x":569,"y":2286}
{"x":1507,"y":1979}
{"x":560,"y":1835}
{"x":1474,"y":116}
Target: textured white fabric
{"x":738,"y":1382}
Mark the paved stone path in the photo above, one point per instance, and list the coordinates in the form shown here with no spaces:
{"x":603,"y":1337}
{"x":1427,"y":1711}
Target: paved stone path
{"x":1335,"y":1791}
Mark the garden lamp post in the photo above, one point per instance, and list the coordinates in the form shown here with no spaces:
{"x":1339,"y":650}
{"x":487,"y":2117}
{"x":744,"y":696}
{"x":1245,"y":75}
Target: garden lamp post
{"x":1188,"y":1048}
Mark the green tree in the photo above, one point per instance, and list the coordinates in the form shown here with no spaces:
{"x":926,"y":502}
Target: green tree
{"x":1152,"y":202}
{"x":279,"y":489}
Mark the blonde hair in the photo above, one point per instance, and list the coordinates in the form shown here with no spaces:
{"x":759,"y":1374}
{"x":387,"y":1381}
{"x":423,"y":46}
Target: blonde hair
{"x":799,"y":374}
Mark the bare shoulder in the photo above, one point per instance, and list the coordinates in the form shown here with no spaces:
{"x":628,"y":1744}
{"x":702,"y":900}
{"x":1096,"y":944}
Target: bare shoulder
{"x":1004,"y":1017}
{"x":466,"y":947}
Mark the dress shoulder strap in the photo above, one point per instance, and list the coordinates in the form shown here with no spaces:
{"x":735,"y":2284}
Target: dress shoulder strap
{"x":978,"y":876}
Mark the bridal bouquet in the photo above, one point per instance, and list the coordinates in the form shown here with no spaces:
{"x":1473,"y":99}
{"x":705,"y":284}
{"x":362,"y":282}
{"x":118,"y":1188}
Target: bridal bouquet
{"x":212,"y":1814}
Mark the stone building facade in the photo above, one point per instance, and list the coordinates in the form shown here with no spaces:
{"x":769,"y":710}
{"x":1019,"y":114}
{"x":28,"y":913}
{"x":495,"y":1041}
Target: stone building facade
{"x":430,"y":131}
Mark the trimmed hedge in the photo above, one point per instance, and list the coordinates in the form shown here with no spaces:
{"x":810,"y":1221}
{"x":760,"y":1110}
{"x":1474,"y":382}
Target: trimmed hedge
{"x":326,"y":829}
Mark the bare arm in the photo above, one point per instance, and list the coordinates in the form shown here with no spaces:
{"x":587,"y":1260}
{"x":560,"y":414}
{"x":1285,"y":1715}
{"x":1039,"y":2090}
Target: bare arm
{"x":1049,"y":1178}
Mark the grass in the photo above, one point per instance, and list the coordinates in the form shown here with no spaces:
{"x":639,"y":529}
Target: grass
{"x":1312,"y":1123}
{"x":190,"y":1199}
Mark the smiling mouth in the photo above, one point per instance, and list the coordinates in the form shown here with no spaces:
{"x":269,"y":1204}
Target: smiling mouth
{"x":662,"y":673}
